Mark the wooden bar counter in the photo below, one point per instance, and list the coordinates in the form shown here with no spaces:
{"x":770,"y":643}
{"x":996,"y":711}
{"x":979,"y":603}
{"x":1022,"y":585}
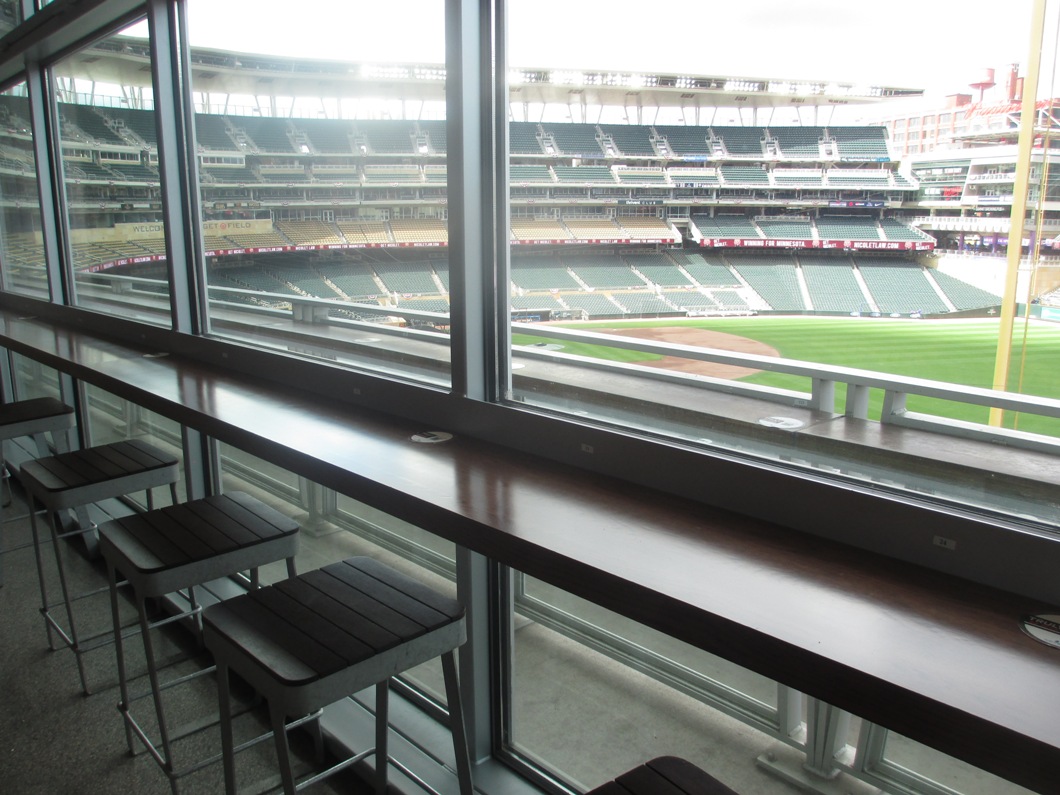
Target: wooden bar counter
{"x":936,"y":658}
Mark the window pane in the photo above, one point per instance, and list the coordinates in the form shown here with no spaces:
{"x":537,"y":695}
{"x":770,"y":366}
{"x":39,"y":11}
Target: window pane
{"x":902,"y":755}
{"x":110,"y":171}
{"x":324,"y":187}
{"x":730,"y":250}
{"x":22,"y":258}
{"x":578,"y":669}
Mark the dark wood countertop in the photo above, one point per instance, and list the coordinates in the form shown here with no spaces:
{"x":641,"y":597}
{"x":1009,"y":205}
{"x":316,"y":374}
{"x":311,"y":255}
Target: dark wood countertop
{"x":935,"y":658}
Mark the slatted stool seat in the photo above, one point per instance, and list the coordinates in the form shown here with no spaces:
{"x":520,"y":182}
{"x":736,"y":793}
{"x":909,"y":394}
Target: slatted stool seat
{"x":310,"y":641}
{"x":666,"y":775}
{"x":34,"y":417}
{"x":72,"y":481}
{"x":176,"y":549}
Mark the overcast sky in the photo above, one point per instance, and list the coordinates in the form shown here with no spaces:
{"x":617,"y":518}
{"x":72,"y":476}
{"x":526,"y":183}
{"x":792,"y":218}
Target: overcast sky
{"x":939,"y":45}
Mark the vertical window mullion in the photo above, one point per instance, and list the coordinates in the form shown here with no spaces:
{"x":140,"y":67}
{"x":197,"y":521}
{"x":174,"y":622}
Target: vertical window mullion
{"x":47,"y":153}
{"x":180,"y":194}
{"x":473,"y":227}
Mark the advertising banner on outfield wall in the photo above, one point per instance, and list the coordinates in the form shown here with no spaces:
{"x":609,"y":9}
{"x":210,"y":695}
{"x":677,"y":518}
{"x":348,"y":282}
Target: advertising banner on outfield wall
{"x":860,"y":245}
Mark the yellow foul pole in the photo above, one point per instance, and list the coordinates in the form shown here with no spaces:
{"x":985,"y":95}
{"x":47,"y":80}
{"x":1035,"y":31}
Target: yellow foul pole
{"x":1028,"y":117}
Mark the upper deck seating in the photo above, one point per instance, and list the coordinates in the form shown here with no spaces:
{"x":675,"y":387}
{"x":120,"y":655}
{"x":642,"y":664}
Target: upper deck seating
{"x":600,"y":228}
{"x":642,"y":176}
{"x":744,"y":175}
{"x":211,"y":132}
{"x":386,"y":136}
{"x":896,"y":230}
{"x":520,"y":173}
{"x":390,"y":175}
{"x":644,"y":227}
{"x":310,"y":233}
{"x":847,"y":227}
{"x":577,"y":140}
{"x":328,"y":136}
{"x":726,"y":226}
{"x":436,"y":175}
{"x":857,"y":177}
{"x":436,"y":135}
{"x":694,"y":177}
{"x":364,"y":231}
{"x":135,"y":172}
{"x":85,"y":171}
{"x":686,"y":141}
{"x":419,"y":230}
{"x":523,"y":138}
{"x":258,"y":239}
{"x":741,"y":141}
{"x":88,"y":121}
{"x":584,"y":174}
{"x":268,"y":134}
{"x":539,"y":229}
{"x":797,"y":177}
{"x":798,"y":143}
{"x":14,"y":112}
{"x":229,"y":175}
{"x":141,"y":122}
{"x":786,"y":228}
{"x":898,"y":285}
{"x":284,"y":174}
{"x":869,"y":143}
{"x":630,"y":140}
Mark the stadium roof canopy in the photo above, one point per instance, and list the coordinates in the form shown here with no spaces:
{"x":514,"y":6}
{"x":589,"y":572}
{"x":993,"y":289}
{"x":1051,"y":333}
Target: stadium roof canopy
{"x":124,"y":61}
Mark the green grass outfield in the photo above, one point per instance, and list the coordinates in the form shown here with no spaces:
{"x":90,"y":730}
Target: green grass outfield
{"x":954,"y":351}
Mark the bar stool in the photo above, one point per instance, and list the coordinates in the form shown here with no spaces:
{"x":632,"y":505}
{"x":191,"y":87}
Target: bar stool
{"x":666,"y":775}
{"x":176,"y":549}
{"x":34,"y":418}
{"x":72,"y":481}
{"x":310,"y":641}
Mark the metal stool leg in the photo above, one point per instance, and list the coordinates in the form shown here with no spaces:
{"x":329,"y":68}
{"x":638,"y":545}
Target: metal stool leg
{"x":70,"y":638}
{"x":456,"y":721}
{"x":119,"y":652}
{"x":227,"y":744}
{"x":165,"y":759}
{"x":382,"y":731}
{"x":283,"y":748}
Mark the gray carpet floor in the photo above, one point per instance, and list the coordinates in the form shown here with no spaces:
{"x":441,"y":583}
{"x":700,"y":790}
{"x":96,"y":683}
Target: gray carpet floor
{"x":55,"y":739}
